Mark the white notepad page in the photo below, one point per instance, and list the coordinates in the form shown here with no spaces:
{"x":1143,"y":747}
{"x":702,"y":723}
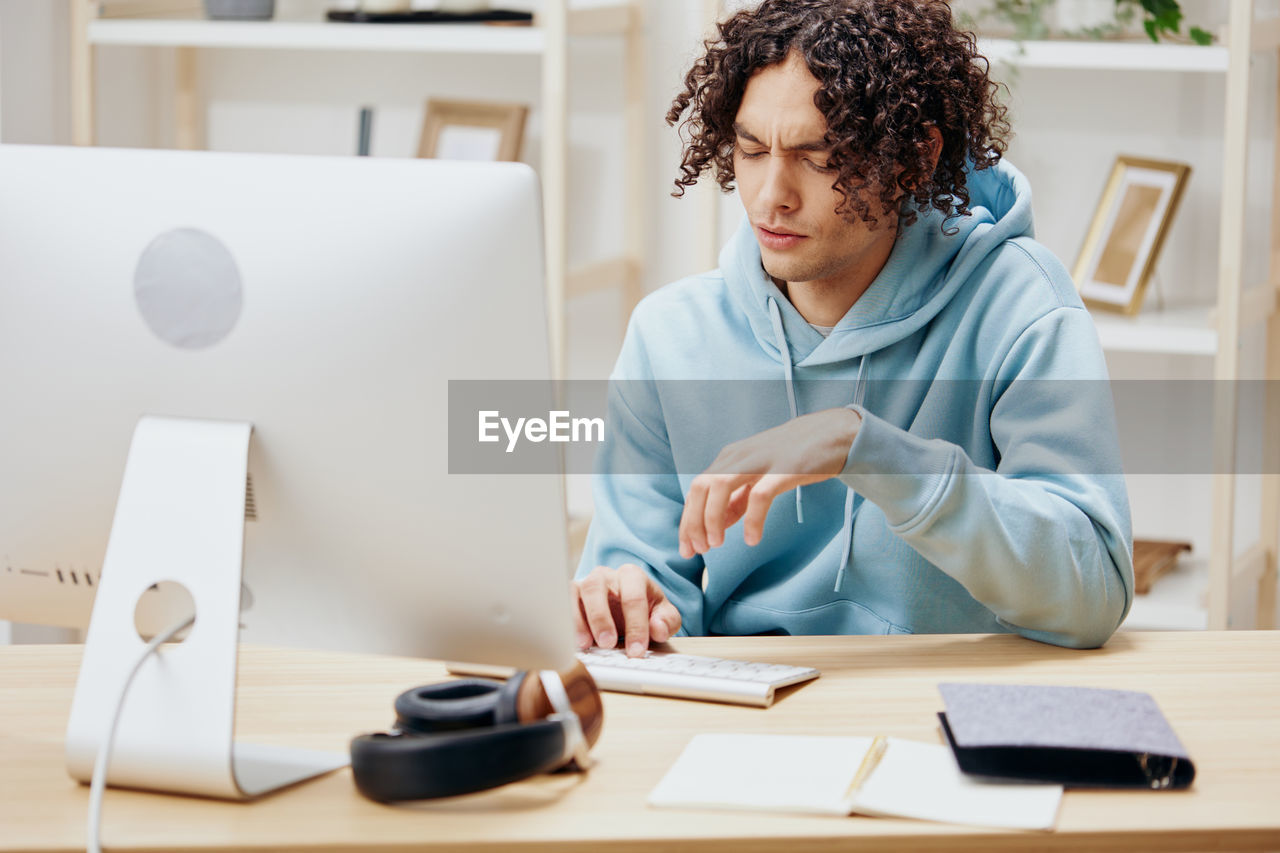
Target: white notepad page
{"x":812,"y":774}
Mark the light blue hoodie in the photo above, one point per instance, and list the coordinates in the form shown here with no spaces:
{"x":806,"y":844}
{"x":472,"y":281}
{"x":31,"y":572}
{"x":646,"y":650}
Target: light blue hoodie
{"x":916,"y":535}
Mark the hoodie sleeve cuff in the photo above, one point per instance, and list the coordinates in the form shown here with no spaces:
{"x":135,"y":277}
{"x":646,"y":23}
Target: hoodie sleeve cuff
{"x":904,"y":475}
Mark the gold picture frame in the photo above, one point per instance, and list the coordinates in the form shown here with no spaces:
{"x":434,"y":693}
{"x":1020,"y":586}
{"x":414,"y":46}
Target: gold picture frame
{"x":472,"y":130}
{"x":1128,"y":230}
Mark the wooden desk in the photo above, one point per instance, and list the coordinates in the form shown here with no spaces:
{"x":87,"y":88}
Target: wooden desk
{"x":1221,"y":692}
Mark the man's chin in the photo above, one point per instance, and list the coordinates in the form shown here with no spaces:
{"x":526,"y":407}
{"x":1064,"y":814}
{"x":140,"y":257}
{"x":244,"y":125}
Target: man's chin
{"x":781,"y":268}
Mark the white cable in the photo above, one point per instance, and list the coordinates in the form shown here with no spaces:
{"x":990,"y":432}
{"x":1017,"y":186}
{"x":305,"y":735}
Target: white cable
{"x":99,"y":781}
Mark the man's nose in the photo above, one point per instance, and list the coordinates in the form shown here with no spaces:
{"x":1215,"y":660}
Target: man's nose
{"x":778,"y":192}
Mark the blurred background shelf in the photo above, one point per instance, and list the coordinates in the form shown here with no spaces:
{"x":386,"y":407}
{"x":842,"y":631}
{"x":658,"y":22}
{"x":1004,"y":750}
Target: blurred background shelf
{"x":1106,"y":56}
{"x":1176,"y":601}
{"x":317,"y":35}
{"x":1182,"y":330}
{"x":193,"y":30}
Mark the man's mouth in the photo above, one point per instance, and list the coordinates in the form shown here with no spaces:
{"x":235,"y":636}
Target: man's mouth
{"x":778,"y":238}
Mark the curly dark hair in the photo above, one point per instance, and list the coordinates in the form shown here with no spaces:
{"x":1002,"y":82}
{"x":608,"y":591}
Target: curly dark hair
{"x":887,"y":69}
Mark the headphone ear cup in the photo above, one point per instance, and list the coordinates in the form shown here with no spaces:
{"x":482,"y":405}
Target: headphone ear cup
{"x":453,"y":705}
{"x":392,"y":767}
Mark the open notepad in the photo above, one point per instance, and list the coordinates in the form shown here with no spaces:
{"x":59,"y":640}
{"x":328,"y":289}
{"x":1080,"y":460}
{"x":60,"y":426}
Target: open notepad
{"x":820,"y":775}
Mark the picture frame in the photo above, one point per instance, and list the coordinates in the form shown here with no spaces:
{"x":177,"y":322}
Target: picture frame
{"x":1129,"y":227}
{"x":472,"y":130}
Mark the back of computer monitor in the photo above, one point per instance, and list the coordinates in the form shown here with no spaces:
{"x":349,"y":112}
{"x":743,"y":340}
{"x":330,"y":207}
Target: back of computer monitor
{"x":326,"y":301}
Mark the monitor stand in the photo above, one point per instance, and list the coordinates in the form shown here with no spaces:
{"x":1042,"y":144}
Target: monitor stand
{"x":180,"y":518}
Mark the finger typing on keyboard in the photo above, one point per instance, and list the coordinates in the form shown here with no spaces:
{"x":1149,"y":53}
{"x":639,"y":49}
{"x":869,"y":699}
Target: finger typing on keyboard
{"x":624,"y":604}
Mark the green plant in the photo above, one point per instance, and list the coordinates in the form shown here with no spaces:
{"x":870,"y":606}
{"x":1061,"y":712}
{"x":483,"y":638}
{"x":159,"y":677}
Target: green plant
{"x":1161,"y":19}
{"x":1164,"y":17}
{"x":1026,"y":16}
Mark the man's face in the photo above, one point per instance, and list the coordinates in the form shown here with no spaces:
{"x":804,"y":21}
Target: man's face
{"x":780,"y":163}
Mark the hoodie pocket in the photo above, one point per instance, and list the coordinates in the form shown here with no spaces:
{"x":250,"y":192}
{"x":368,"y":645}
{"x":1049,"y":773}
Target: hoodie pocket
{"x":842,"y":616}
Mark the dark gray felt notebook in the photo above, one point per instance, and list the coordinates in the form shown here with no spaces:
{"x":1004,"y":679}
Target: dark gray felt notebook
{"x":1076,"y":736}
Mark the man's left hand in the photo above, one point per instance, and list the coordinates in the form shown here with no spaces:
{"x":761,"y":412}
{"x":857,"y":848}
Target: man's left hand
{"x":749,"y":474}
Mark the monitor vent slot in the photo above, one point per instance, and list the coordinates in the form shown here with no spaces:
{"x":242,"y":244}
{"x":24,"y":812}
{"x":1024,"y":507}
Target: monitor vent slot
{"x":250,"y":505}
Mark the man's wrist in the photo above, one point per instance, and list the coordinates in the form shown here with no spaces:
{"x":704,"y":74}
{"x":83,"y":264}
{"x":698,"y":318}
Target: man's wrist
{"x":850,"y":421}
{"x":855,"y":421}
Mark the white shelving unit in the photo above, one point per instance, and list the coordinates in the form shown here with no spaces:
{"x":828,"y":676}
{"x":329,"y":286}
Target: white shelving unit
{"x":1105,"y":56}
{"x":317,"y":35}
{"x":179,"y":24}
{"x":1176,"y":603}
{"x":1187,"y":330}
{"x":1208,"y":331}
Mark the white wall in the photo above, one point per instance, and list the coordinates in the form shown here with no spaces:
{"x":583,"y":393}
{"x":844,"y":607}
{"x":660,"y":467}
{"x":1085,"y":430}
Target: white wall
{"x":29,"y":106}
{"x":34,"y":93}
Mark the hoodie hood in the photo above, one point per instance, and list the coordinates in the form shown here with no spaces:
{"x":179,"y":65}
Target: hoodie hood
{"x":926,"y":268}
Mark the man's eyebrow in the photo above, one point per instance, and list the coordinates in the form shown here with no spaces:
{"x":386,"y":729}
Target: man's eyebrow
{"x":818,"y":145}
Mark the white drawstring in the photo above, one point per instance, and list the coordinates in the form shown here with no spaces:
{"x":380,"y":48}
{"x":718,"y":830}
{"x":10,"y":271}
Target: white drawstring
{"x":784,"y":351}
{"x":846,"y":546}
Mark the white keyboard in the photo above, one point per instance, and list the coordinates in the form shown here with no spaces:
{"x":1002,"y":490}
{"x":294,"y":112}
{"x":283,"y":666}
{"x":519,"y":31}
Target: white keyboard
{"x":737,"y":682}
{"x":692,"y":676}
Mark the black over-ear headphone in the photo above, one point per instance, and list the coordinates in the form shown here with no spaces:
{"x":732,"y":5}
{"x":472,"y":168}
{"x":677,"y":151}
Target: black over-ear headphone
{"x":468,"y":735}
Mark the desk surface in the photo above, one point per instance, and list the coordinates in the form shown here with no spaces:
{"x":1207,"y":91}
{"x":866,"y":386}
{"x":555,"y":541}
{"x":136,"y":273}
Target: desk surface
{"x":1221,"y":692}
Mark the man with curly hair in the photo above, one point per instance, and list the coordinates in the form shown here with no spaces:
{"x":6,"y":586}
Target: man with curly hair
{"x":900,"y":354}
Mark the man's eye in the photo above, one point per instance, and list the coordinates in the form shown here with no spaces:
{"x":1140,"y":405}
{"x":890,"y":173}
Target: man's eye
{"x":819,"y":166}
{"x":751,"y":155}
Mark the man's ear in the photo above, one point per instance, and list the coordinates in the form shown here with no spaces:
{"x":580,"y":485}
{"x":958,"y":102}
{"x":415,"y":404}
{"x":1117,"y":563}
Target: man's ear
{"x":935,"y":145}
{"x":935,"y":153}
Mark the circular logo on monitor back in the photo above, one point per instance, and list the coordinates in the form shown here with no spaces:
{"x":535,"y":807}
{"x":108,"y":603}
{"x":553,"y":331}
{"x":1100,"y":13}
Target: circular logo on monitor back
{"x":188,"y":288}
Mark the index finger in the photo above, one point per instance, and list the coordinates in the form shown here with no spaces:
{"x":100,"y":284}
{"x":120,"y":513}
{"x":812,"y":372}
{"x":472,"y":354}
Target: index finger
{"x":582,"y":632}
{"x":633,"y":594}
{"x":594,"y":592}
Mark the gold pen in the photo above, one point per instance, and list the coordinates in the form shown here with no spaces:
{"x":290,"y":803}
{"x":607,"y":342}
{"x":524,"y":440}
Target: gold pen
{"x":869,"y":762}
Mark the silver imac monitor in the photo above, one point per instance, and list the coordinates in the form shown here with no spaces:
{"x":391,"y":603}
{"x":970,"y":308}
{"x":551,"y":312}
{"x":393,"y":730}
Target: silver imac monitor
{"x":327,"y":302}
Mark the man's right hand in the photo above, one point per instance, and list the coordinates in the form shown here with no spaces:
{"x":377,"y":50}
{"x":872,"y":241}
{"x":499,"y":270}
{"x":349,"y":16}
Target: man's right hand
{"x":624,"y":602}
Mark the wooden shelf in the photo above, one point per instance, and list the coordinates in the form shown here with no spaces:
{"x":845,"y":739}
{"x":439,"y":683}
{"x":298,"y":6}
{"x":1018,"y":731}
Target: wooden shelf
{"x":1176,"y":601}
{"x":317,"y":35}
{"x":196,"y":31}
{"x":1106,"y":56}
{"x":1185,"y":330}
